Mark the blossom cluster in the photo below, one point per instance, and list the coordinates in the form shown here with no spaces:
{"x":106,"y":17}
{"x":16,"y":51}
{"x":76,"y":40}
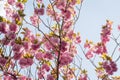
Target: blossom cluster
{"x":50,"y":52}
{"x":100,"y":47}
{"x":108,"y":66}
{"x":28,"y":55}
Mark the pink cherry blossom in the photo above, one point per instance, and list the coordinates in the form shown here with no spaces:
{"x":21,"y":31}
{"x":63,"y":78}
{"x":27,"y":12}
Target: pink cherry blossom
{"x":17,"y":56}
{"x":3,"y":27}
{"x":106,"y":32}
{"x":39,"y":56}
{"x":8,"y":77}
{"x":67,"y":25}
{"x":87,"y":45}
{"x":5,"y":41}
{"x":48,"y":46}
{"x":3,"y":61}
{"x":11,"y":2}
{"x":13,"y":27}
{"x":100,"y":49}
{"x":26,"y":45}
{"x":50,"y":77}
{"x":83,"y":77}
{"x":66,"y":14}
{"x":35,"y":20}
{"x":73,"y":2}
{"x":35,"y":46}
{"x":60,"y":4}
{"x":45,"y":67}
{"x":89,"y":55}
{"x":63,"y":46}
{"x":70,"y":34}
{"x":16,"y":17}
{"x":39,"y":11}
{"x":20,"y":5}
{"x":53,"y":53}
{"x":28,"y":33}
{"x":78,"y":40}
{"x":17,"y":48}
{"x":9,"y":12}
{"x":48,"y":55}
{"x":54,"y":40}
{"x":24,"y":78}
{"x":65,"y":59}
{"x":25,"y":62}
{"x":41,"y":73}
{"x":10,"y":35}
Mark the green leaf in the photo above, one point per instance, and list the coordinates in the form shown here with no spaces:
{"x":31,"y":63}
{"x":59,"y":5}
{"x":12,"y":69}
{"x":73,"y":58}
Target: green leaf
{"x":24,"y":1}
{"x":19,"y":0}
{"x":21,"y":13}
{"x":38,"y":5}
{"x":1,"y":18}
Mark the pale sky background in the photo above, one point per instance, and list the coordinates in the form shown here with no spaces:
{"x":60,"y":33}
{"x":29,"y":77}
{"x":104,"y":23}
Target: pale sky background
{"x":93,"y":15}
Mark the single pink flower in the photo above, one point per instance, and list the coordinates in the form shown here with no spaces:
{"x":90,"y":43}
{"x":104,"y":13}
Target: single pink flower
{"x":83,"y":77}
{"x":100,"y":49}
{"x":63,"y":46}
{"x":16,"y":17}
{"x":87,"y":45}
{"x":70,"y":34}
{"x":10,"y":35}
{"x":39,"y":56}
{"x":35,"y":20}
{"x":45,"y":67}
{"x":48,"y":46}
{"x":35,"y":46}
{"x":67,"y":25}
{"x":20,"y":5}
{"x":39,"y":11}
{"x":11,"y":2}
{"x":25,"y":62}
{"x":17,"y":56}
{"x":89,"y":55}
{"x":50,"y":77}
{"x":3,"y":27}
{"x":13,"y":27}
{"x":60,"y":4}
{"x":65,"y":59}
{"x":66,"y":14}
{"x":9,"y":12}
{"x":17,"y":48}
{"x":48,"y":55}
{"x":3,"y":61}
{"x":26,"y":45}
{"x":78,"y":40}
{"x":54,"y":40}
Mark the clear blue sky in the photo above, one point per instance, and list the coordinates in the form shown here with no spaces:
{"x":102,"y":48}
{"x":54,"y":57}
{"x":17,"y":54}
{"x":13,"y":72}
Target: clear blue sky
{"x":93,"y":15}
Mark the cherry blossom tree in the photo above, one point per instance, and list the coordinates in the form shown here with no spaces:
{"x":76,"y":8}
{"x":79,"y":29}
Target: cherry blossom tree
{"x":42,"y":45}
